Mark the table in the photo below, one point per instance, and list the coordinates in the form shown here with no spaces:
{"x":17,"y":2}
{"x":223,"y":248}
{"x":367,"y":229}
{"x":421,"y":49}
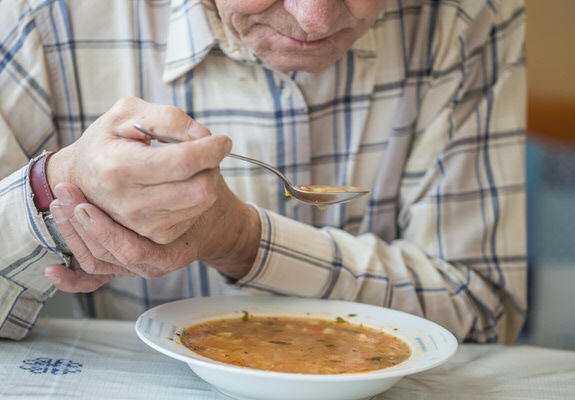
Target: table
{"x":101,"y":359}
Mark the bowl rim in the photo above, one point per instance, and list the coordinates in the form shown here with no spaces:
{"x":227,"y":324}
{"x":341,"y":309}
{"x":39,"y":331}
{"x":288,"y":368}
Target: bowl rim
{"x":389,"y":372}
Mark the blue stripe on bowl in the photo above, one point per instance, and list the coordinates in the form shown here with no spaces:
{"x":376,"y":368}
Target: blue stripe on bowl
{"x":160,"y":329}
{"x":149,"y":326}
{"x":421,"y":344}
{"x":434,"y":342}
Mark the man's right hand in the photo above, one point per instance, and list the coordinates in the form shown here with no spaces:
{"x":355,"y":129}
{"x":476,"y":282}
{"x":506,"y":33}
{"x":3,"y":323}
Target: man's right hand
{"x":158,"y":192}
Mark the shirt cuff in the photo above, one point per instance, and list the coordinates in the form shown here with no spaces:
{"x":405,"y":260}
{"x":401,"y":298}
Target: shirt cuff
{"x":27,"y":248}
{"x":293,"y":259}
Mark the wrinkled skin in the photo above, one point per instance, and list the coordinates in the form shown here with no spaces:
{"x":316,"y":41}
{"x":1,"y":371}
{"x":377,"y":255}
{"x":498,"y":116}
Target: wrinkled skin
{"x":156,"y":192}
{"x":299,"y":35}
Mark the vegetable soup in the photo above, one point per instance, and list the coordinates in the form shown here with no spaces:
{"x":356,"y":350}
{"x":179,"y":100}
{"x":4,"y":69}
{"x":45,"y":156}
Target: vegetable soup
{"x":296,"y":345}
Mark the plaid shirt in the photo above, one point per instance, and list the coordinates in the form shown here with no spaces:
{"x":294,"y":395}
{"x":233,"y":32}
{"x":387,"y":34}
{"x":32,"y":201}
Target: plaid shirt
{"x":426,"y":111}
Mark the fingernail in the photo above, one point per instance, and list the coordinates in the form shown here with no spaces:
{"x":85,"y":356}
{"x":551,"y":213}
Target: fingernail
{"x":228,"y":145}
{"x":83,"y":216}
{"x":53,"y":278}
{"x":58,"y":214}
{"x":63,"y":195}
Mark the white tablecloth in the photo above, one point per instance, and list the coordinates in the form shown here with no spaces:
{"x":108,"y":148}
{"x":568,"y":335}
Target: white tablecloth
{"x":97,"y":359}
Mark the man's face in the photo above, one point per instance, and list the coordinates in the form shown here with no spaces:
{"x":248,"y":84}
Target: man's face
{"x":303,"y":35}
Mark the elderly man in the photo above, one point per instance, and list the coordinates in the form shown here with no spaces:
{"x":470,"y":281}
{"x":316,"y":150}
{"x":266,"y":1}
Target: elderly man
{"x":421,"y":102}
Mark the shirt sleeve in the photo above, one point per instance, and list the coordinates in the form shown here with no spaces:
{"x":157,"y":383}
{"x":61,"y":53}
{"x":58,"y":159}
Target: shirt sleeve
{"x":460,"y":255}
{"x":26,"y":128}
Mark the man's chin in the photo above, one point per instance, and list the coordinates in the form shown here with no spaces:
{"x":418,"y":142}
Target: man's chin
{"x":305,"y":64}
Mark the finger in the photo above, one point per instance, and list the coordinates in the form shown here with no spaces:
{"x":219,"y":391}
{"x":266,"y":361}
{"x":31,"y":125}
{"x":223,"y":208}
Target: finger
{"x":127,"y":245}
{"x":173,"y":225}
{"x":81,"y":252}
{"x":163,"y":120}
{"x":86,"y":250}
{"x":178,"y":162}
{"x":137,"y":254}
{"x":174,"y":232}
{"x":175,"y":222}
{"x":168,"y":234}
{"x":76,"y":244}
{"x":75,"y":281}
{"x":166,"y":131}
{"x":185,"y":196}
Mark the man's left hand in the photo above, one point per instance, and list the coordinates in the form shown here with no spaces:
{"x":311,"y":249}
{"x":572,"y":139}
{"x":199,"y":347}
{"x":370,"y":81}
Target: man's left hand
{"x":226,"y":237}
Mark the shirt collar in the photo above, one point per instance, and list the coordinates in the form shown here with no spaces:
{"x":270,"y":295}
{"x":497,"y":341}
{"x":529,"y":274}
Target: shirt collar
{"x":186,"y":50}
{"x":365,"y":46}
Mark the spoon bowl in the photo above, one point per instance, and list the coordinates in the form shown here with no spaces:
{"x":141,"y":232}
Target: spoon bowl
{"x":324,"y":195}
{"x":320,"y":196}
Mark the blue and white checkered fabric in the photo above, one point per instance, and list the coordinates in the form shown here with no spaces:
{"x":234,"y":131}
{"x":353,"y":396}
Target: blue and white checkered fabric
{"x":427,"y":110}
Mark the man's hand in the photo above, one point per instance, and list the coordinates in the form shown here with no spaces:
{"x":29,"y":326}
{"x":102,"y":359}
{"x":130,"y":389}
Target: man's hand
{"x":226,"y":237}
{"x":158,"y":192}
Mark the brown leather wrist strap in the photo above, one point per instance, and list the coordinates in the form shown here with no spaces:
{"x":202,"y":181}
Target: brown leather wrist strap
{"x":39,"y":181}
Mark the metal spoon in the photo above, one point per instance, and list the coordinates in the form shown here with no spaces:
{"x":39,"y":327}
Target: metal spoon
{"x":320,"y":196}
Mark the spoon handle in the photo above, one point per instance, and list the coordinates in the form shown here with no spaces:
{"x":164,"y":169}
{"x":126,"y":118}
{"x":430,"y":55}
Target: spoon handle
{"x":261,"y":164}
{"x":164,"y":139}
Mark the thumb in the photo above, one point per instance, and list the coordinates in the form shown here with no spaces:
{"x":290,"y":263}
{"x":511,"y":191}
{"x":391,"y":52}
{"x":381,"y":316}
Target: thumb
{"x":74,"y":280}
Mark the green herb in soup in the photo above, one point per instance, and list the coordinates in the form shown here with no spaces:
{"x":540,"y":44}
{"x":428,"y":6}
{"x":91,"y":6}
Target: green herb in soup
{"x":296,"y":345}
